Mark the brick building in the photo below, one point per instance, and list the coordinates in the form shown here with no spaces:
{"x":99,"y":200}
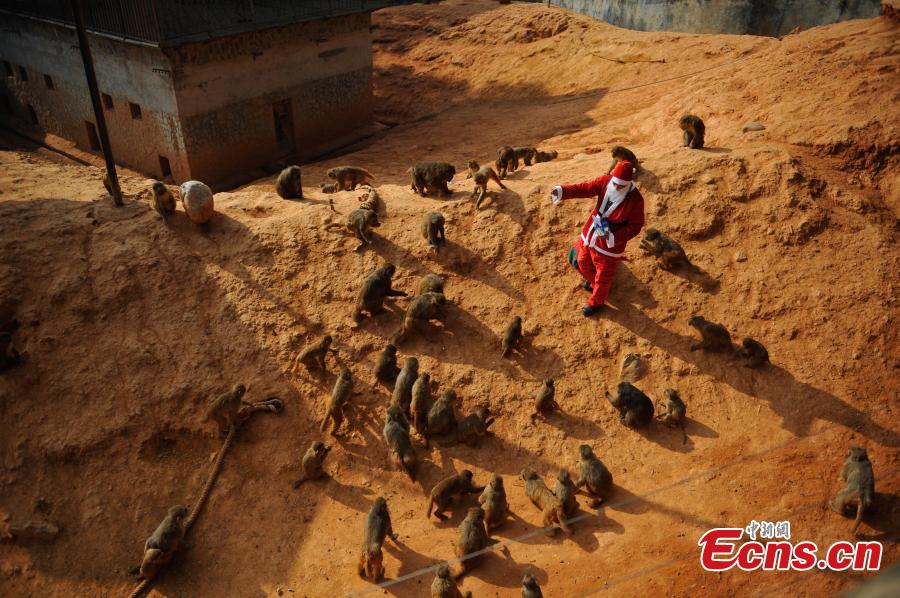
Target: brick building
{"x":194,"y":89}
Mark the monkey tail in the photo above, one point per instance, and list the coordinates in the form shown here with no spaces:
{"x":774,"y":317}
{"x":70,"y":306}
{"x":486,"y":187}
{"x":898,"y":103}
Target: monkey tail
{"x":859,"y":514}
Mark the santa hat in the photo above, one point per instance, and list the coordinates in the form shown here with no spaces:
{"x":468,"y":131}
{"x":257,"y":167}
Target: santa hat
{"x":623,"y":173}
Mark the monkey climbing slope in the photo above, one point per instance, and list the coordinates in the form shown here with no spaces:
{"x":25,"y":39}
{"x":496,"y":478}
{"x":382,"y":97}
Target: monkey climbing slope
{"x":128,"y":325}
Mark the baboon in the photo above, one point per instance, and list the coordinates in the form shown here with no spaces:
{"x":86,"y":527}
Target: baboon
{"x":224,"y":409}
{"x":328,"y":188}
{"x":694,"y":130}
{"x":753,"y":353}
{"x":545,"y":403}
{"x":482,"y":174}
{"x":422,"y":309}
{"x":433,"y":229}
{"x":715,"y":337}
{"x":161,"y":546}
{"x":675,"y":411}
{"x":565,"y":490}
{"x":472,"y":539}
{"x":340,"y":396}
{"x":198,"y":202}
{"x":443,"y":585}
{"x":506,"y":161}
{"x":396,"y":435}
{"x":402,"y":394}
{"x":622,"y":154}
{"x":313,"y":355}
{"x":668,"y":252}
{"x":386,"y":369}
{"x":374,"y":289}
{"x":360,"y":222}
{"x":545,"y":156}
{"x":371,"y":200}
{"x":530,"y":587}
{"x":633,"y":368}
{"x":431,"y":177}
{"x":526,"y":154}
{"x":635,"y":408}
{"x":470,"y":429}
{"x":421,"y":403}
{"x":860,"y":479}
{"x":288,"y":185}
{"x":547,"y":502}
{"x":594,"y":476}
{"x":9,"y":357}
{"x":162,"y":199}
{"x":493,"y":501}
{"x":512,"y":336}
{"x":431,"y":283}
{"x":348,"y":177}
{"x":441,"y":417}
{"x":312,"y":462}
{"x":447,"y":489}
{"x":378,"y":526}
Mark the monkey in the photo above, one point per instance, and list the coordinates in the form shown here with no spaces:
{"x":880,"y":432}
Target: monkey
{"x":312,"y":462}
{"x":432,"y":177}
{"x":565,"y":490}
{"x":224,"y":409}
{"x":449,"y":488}
{"x":431,"y":283}
{"x":547,"y":502}
{"x":526,"y":154}
{"x":433,"y":229}
{"x":443,"y":585}
{"x":340,"y":396}
{"x":371,"y":200}
{"x":421,"y":403}
{"x":506,"y":161}
{"x":9,"y":357}
{"x":512,"y":336}
{"x":402,"y":394}
{"x":545,"y":403}
{"x":715,"y":337}
{"x":375,"y":288}
{"x":313,"y":355}
{"x":377,"y":527}
{"x":348,"y":177}
{"x":622,"y":154}
{"x":545,"y":156}
{"x":198,"y":202}
{"x":530,"y":587}
{"x":470,"y":429}
{"x":162,"y":199}
{"x":386,"y":369}
{"x":482,"y":174}
{"x":635,"y":408}
{"x":753,"y":353}
{"x":860,"y":479}
{"x":472,"y":539}
{"x":161,"y":546}
{"x":441,"y":418}
{"x":328,"y":188}
{"x":288,"y":185}
{"x":360,"y":222}
{"x":668,"y":252}
{"x":594,"y":476}
{"x":396,"y":435}
{"x":493,"y":501}
{"x":422,"y":309}
{"x":633,"y":368}
{"x":675,"y":411}
{"x":694,"y":130}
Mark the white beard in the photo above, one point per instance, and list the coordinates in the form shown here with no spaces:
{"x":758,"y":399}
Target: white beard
{"x":614,"y":196}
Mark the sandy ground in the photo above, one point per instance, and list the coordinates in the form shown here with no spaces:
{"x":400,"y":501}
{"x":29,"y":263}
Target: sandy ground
{"x":129,"y":325}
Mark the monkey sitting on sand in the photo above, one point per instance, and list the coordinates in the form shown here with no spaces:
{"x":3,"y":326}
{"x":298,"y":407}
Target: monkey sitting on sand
{"x":482,"y":174}
{"x":546,"y":156}
{"x":443,"y":585}
{"x":433,"y":229}
{"x":378,"y":526}
{"x":422,"y":309}
{"x":860,"y":479}
{"x":470,"y":429}
{"x":635,"y":408}
{"x":512,"y":336}
{"x":548,"y":503}
{"x":674,"y":413}
{"x":225,"y":409}
{"x":431,"y":283}
{"x":375,"y":288}
{"x":348,"y":177}
{"x":668,"y":252}
{"x":396,"y":436}
{"x":694,"y":130}
{"x":472,"y":540}
{"x":288,"y":184}
{"x":714,"y":337}
{"x":493,"y":501}
{"x":162,"y":199}
{"x":594,"y":476}
{"x":386,"y":369}
{"x":753,"y":353}
{"x":448,"y":489}
{"x":545,"y":403}
{"x":312,"y":462}
{"x":360,"y":222}
{"x":432,"y":177}
{"x":161,"y":546}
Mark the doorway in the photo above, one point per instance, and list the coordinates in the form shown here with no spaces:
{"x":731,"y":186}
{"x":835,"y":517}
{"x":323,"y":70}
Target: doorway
{"x":284,"y":126}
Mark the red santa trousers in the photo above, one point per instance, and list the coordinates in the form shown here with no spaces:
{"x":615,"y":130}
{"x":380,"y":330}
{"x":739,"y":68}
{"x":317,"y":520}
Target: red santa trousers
{"x":597,"y":269}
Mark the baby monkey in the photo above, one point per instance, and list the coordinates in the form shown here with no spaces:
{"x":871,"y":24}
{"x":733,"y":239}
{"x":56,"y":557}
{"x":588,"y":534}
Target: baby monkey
{"x":674,"y":413}
{"x":482,"y":174}
{"x":161,"y":546}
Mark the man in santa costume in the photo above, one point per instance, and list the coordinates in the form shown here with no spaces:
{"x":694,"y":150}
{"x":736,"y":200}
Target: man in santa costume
{"x":617,"y":217}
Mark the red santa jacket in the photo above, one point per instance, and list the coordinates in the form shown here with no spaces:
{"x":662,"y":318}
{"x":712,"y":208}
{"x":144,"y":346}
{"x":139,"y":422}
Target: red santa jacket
{"x":625,"y":221}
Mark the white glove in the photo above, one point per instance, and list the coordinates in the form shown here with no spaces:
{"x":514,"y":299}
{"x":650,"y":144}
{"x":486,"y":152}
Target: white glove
{"x":556,"y":195}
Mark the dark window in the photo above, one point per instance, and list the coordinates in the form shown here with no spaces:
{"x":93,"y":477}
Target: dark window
{"x":23,"y":74}
{"x":93,"y":140}
{"x":107,"y":101}
{"x":32,"y":114}
{"x":48,"y":81}
{"x":135,"y":110}
{"x":164,"y":166}
{"x":8,"y":68}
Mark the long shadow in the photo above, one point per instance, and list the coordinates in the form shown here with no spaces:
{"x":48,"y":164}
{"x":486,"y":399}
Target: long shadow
{"x":648,"y":179}
{"x":577,"y":427}
{"x":627,"y":502}
{"x":798,"y":403}
{"x":716,"y":150}
{"x":627,"y":285}
{"x":357,"y":498}
{"x":468,"y":264}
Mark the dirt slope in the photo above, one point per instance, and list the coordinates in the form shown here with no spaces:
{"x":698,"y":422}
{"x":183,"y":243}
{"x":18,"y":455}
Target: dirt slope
{"x":130,"y":325}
